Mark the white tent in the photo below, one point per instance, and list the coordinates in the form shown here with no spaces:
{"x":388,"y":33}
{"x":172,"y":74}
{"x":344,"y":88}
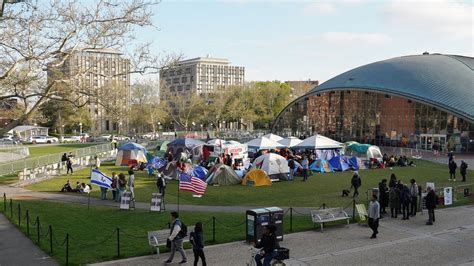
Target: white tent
{"x":318,"y":142}
{"x":263,"y":143}
{"x":273,"y":164}
{"x":290,"y":141}
{"x":273,"y":137}
{"x":216,"y":142}
{"x":374,"y":152}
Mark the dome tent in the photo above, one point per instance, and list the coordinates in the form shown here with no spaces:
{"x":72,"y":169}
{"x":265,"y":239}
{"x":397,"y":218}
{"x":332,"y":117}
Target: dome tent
{"x":256,"y":178}
{"x":222,"y":175}
{"x":131,"y":154}
{"x":274,"y":165}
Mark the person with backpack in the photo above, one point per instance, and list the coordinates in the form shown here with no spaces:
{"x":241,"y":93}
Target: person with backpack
{"x":414,"y":197}
{"x":197,"y":240}
{"x":178,"y":232}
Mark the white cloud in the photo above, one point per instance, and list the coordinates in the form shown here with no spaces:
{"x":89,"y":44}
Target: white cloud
{"x":357,"y":38}
{"x":320,"y":8}
{"x":453,"y":18}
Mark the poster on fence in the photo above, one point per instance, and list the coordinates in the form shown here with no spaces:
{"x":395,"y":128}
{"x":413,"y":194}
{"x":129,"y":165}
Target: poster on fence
{"x":448,"y":196}
{"x":156,"y":200}
{"x":125,"y":201}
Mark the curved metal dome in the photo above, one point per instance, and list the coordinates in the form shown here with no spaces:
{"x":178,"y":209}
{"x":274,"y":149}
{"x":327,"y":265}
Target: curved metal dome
{"x":443,"y":81}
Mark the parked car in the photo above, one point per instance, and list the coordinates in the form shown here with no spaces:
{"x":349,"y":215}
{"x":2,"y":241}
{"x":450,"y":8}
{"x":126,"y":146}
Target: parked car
{"x":120,"y":138}
{"x":43,"y":139}
{"x":10,"y":139}
{"x":68,"y":139}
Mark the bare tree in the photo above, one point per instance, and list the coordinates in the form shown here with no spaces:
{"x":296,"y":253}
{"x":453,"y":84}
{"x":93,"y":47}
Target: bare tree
{"x":39,"y":35}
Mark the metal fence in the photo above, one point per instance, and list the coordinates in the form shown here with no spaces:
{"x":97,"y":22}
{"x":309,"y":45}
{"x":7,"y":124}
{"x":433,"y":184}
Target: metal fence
{"x":16,"y":166}
{"x":21,"y":150}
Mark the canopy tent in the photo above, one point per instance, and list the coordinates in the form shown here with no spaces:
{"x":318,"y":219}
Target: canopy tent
{"x":318,"y":142}
{"x":290,"y":141}
{"x":339,"y":163}
{"x":273,"y":137}
{"x":131,"y":154}
{"x":370,"y":151}
{"x":274,"y":165}
{"x":216,"y":142}
{"x":187,"y":145}
{"x":263,"y":143}
{"x":255,"y":178}
{"x":321,"y":166}
{"x":222,"y":175}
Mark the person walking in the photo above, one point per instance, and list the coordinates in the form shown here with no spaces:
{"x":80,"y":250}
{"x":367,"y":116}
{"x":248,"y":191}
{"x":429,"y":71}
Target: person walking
{"x":356,"y":182}
{"x":197,"y":240}
{"x":267,"y":245}
{"x":394,"y":201}
{"x":374,"y":215}
{"x":176,"y":237}
{"x":383,"y":192}
{"x":305,"y":166}
{"x":114,"y":186}
{"x":122,"y":186}
{"x":430,"y":201}
{"x":463,"y":170}
{"x":131,"y":183}
{"x":405,"y":198}
{"x":291,"y":165}
{"x":414,"y":197}
{"x":69,"y":165}
{"x":452,"y":170}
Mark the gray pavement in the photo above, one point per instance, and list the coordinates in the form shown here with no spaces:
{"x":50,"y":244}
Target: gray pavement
{"x":17,"y":249}
{"x":449,"y":242}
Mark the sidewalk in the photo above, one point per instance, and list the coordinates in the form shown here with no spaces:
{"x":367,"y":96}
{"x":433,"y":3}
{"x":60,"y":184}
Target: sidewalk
{"x":449,"y":242}
{"x":17,"y":249}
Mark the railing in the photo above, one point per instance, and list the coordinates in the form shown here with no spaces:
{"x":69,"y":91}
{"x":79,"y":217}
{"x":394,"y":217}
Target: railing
{"x":28,"y":163}
{"x":21,"y":150}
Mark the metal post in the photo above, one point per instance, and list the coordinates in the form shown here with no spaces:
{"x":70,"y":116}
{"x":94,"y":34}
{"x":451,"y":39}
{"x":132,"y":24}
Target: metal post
{"x":324,"y":205}
{"x":19,"y":216}
{"x":118,"y":242}
{"x":27,"y":223}
{"x":213,"y":229}
{"x":38,"y":228}
{"x":67,"y":249}
{"x":11,"y":208}
{"x":353,"y":210}
{"x":4,"y":202}
{"x":291,"y":219}
{"x":51,"y":239}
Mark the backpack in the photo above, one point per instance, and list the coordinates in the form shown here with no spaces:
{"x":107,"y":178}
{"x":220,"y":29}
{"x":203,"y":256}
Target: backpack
{"x":184,"y":231}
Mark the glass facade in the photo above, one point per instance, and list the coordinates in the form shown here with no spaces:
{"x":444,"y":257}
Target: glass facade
{"x":376,"y":118}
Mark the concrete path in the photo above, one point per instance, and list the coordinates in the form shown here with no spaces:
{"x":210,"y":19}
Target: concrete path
{"x":17,"y":249}
{"x":449,"y":242}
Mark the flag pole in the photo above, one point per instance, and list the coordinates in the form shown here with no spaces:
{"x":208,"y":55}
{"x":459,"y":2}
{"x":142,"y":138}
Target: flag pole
{"x":178,"y":194}
{"x":89,"y":200}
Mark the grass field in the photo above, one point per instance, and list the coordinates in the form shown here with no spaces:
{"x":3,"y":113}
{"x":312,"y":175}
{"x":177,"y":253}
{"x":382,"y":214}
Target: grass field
{"x":93,"y":234}
{"x":45,"y":149}
{"x":320,"y":188}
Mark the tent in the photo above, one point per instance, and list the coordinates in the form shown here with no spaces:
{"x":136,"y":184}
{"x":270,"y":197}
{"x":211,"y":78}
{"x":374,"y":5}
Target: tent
{"x":273,"y":164}
{"x":273,"y":137}
{"x":188,"y":145}
{"x":339,"y":163}
{"x":216,"y":142}
{"x":354,"y":163}
{"x":163,"y":146}
{"x":199,"y":172}
{"x":222,"y":175}
{"x":318,"y":142}
{"x":321,"y":166}
{"x":290,"y":141}
{"x":370,"y":151}
{"x":255,"y":178}
{"x":374,"y":152}
{"x":263,"y":143}
{"x":171,"y":170}
{"x":131,"y":154}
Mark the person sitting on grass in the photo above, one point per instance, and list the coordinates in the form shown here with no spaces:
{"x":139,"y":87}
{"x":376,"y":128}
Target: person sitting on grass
{"x":78,"y":187}
{"x":67,"y":187}
{"x":85,"y":188}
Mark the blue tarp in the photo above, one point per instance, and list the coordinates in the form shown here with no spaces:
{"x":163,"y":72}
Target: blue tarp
{"x":131,"y":146}
{"x":353,"y":162}
{"x":339,"y":163}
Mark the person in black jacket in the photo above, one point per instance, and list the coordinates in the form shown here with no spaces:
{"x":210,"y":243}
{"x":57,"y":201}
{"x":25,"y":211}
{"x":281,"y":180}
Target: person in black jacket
{"x":356,"y":182}
{"x":267,"y":244}
{"x":405,"y":199}
{"x":383,"y":192}
{"x":452,"y":170}
{"x":463,"y":170}
{"x":430,"y":201}
{"x":198,"y":244}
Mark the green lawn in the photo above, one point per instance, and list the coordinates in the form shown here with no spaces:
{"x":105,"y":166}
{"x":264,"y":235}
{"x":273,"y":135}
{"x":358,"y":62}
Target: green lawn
{"x":93,"y":234}
{"x":45,"y":149}
{"x":321,"y":188}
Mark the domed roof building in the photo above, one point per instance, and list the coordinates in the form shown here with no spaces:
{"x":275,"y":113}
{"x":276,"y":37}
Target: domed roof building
{"x":420,"y":101}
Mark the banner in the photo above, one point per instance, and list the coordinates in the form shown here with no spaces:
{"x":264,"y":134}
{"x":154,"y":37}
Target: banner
{"x":448,"y":196}
{"x":125,"y":201}
{"x":156,"y":201}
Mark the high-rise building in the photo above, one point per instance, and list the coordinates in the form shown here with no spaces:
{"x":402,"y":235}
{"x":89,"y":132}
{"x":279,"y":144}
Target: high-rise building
{"x":104,"y":75}
{"x":201,"y":75}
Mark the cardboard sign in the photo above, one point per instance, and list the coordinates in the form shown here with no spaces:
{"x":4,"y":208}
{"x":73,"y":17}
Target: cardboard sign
{"x":448,"y":196}
{"x":125,"y":201}
{"x":156,"y":200}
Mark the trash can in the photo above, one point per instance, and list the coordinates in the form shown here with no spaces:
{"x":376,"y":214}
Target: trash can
{"x":256,"y":219}
{"x":276,"y":218}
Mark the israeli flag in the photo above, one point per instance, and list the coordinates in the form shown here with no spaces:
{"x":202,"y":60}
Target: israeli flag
{"x":100,"y":179}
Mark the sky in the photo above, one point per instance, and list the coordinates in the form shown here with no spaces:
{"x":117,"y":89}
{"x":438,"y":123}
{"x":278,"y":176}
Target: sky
{"x":317,"y":40}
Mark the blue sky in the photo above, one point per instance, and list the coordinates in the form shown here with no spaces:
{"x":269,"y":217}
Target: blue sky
{"x":294,"y":40}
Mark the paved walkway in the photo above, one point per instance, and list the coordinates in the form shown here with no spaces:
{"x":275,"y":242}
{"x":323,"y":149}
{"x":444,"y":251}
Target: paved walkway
{"x":449,"y":242}
{"x":16,"y":249}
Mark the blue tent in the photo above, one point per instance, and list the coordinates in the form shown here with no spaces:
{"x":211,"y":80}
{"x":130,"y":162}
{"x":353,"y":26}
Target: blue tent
{"x":199,"y":172}
{"x":321,"y":166}
{"x":353,"y":162}
{"x":339,"y":163}
{"x":132,"y":146}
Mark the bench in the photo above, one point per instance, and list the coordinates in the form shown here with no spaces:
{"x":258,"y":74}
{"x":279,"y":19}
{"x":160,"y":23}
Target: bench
{"x":158,"y":238}
{"x":328,"y":215}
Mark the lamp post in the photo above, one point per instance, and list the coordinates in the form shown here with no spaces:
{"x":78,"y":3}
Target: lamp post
{"x":119,"y":126}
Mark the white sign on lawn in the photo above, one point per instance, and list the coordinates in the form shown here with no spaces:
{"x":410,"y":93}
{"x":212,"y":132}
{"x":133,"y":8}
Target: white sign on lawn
{"x":125,"y":201}
{"x":156,"y":200}
{"x":448,"y":196}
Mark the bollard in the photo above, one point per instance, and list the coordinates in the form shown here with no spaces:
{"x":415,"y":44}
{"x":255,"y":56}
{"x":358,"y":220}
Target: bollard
{"x":51,"y":239}
{"x":353,"y":210}
{"x":213,"y":229}
{"x":19,"y":216}
{"x":291,"y":219}
{"x":118,"y":242}
{"x":11,"y":208}
{"x":27,"y":223}
{"x":67,"y":249}
{"x":38,"y":228}
{"x":324,"y":205}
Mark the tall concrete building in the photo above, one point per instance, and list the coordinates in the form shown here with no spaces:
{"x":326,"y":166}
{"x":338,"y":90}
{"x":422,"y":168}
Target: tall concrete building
{"x":105,"y":75}
{"x":201,"y":75}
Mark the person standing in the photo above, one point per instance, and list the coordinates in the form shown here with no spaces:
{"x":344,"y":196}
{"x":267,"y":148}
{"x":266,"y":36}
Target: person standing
{"x":463,"y":170}
{"x":69,"y":165}
{"x":414,"y":197}
{"x":374,"y":215}
{"x":356,"y":182}
{"x":176,"y":238}
{"x":394,"y":201}
{"x":197,"y":240}
{"x":291,"y":165}
{"x":450,"y":156}
{"x":430,"y":201}
{"x":305,"y":165}
{"x":103,"y":193}
{"x":267,"y":245}
{"x":97,"y":162}
{"x":393,"y":181}
{"x":452,"y":170}
{"x":114,"y":187}
{"x":122,"y":186}
{"x":405,"y":198}
{"x":131,"y":183}
{"x":383,"y":192}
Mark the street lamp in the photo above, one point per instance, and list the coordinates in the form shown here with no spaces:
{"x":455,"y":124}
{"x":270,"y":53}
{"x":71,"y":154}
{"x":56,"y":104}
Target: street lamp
{"x":120,"y":125}
{"x":80,"y":128}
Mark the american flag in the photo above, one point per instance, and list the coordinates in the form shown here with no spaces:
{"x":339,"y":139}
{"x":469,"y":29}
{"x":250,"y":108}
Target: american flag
{"x":191,"y":183}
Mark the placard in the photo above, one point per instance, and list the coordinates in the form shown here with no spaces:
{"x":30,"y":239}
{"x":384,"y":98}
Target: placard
{"x":156,"y":201}
{"x":125,"y":201}
{"x":448,"y":196}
